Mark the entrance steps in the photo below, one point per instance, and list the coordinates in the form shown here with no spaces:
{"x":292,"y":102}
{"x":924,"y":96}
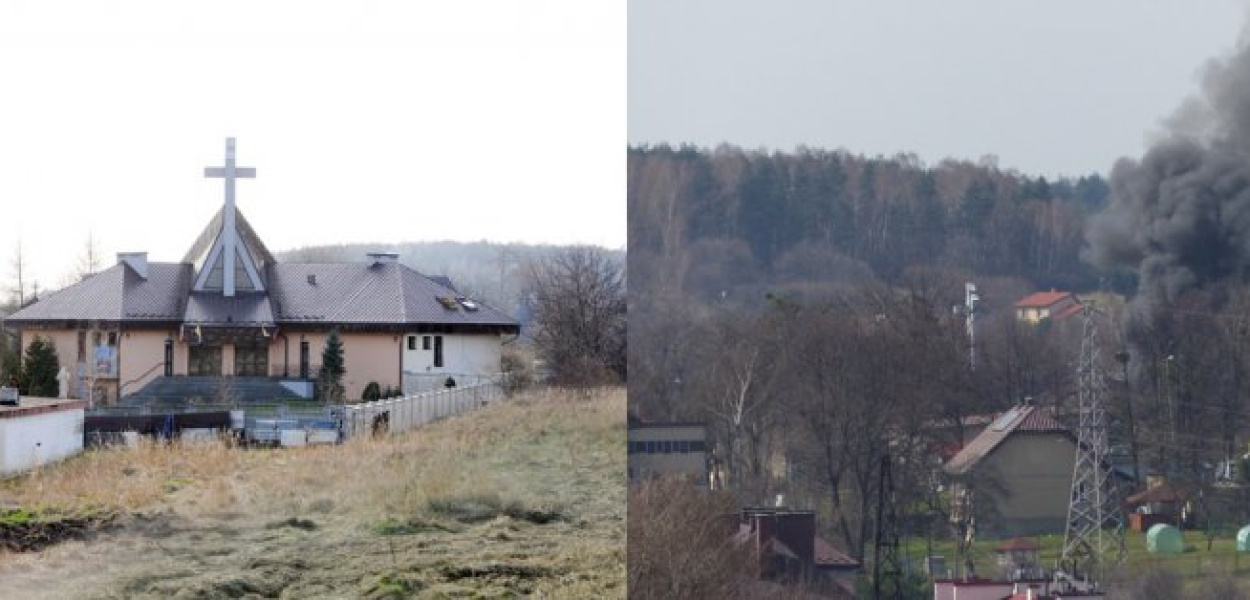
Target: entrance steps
{"x":184,"y":390}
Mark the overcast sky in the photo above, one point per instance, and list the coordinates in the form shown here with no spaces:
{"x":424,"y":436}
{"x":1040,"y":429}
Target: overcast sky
{"x":1062,"y":87}
{"x":366,"y":120}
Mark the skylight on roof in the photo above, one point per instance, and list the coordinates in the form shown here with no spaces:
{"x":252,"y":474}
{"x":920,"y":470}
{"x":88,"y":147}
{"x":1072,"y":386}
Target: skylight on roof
{"x":448,"y":302}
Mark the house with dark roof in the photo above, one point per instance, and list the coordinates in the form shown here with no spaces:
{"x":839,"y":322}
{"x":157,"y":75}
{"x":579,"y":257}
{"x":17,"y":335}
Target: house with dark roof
{"x":788,"y":550}
{"x":229,"y":308}
{"x":1054,"y":305}
{"x":1016,"y":474}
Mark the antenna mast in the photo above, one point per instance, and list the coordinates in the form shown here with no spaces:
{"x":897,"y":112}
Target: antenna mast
{"x":970,"y":315}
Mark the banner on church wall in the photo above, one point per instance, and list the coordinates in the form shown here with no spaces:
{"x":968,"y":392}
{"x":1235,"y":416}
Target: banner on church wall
{"x":105,"y":361}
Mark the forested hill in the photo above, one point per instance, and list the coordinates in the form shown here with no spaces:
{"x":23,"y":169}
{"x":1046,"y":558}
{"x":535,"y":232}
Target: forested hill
{"x":492,"y":272}
{"x":702,"y":221}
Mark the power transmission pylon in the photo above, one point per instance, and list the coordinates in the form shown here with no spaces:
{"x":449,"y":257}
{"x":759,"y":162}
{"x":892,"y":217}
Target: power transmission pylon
{"x":1094,"y":538}
{"x":886,"y":566}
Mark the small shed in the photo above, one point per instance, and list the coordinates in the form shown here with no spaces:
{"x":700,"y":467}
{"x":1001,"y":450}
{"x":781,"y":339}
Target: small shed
{"x":1160,"y":503}
{"x":1164,"y":539}
{"x":1243,"y":539}
{"x":1017,"y":552}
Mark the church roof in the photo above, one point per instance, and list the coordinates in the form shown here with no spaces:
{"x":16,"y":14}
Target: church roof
{"x":230,"y":277}
{"x":328,"y":294}
{"x":116,"y":294}
{"x":363,"y":293}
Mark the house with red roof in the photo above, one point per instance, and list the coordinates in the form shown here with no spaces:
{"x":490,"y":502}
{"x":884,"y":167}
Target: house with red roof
{"x":1054,"y":305}
{"x":1017,"y":474}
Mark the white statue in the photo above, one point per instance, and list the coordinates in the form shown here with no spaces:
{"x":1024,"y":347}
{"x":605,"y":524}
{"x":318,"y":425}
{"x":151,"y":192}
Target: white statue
{"x":62,"y":379}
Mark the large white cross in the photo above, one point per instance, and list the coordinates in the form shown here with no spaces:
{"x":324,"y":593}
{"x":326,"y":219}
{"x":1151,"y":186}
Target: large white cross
{"x":229,"y":235}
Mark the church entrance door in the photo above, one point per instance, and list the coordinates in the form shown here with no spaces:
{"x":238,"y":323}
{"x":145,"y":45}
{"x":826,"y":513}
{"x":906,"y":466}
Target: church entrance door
{"x":204,"y":360}
{"x":251,"y":358}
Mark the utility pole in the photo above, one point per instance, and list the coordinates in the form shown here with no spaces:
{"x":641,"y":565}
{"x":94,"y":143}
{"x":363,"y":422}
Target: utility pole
{"x":1092,"y":503}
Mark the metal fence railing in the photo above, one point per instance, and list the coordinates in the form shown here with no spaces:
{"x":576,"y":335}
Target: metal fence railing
{"x":395,"y":415}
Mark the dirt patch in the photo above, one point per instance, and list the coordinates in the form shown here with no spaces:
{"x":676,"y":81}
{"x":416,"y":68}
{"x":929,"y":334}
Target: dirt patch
{"x":506,"y":571}
{"x":23,"y":530}
{"x":296,"y":522}
{"x":484,"y":507}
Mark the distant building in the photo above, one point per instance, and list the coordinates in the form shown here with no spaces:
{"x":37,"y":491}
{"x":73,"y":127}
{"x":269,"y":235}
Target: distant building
{"x":992,"y":589}
{"x":1053,"y":305}
{"x":1020,"y":467}
{"x":668,"y":449}
{"x":785,"y":543}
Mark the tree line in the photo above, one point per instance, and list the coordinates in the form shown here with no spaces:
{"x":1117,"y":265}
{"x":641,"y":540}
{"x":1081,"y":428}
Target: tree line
{"x":701,"y":220}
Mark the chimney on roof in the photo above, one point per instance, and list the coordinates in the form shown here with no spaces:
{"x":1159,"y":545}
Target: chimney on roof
{"x":382,"y":258}
{"x":137,"y":261}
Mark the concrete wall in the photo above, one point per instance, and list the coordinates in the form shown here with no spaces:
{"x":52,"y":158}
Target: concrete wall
{"x":33,"y":435}
{"x":1035,"y":472}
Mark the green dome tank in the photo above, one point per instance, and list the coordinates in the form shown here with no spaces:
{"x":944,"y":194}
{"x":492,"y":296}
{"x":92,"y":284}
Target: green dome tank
{"x":1165,"y":539}
{"x":1243,"y":539}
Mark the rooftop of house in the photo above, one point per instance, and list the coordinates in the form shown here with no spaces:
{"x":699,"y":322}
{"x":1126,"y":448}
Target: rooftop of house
{"x":1019,"y":419}
{"x":1159,"y":494}
{"x":1018,"y":544}
{"x":1044,"y":299}
{"x":829,"y":556}
{"x":1067,"y":311}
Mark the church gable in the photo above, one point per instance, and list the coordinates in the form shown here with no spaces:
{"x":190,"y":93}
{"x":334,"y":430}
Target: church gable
{"x":229,"y":265}
{"x":212,"y":274}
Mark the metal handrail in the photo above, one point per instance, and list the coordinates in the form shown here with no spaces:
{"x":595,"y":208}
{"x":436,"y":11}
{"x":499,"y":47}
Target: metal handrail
{"x":121,"y":389}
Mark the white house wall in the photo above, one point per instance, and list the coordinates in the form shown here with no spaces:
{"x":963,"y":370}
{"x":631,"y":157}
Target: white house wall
{"x":465,"y":356}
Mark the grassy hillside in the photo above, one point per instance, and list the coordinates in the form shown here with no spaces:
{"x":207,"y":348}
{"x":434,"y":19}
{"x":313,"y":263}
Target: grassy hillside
{"x":527,"y":497}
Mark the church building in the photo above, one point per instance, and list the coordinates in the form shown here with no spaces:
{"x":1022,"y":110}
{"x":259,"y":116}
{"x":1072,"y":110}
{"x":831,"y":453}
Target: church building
{"x":229,"y":308}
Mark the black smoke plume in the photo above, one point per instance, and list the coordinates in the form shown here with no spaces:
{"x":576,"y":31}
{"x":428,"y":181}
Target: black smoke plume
{"x":1180,"y":215}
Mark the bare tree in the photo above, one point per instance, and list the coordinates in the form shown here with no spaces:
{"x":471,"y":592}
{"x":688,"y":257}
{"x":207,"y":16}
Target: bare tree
{"x":89,"y":261}
{"x":737,"y":389}
{"x":869,"y":376}
{"x":19,"y":277}
{"x":681,"y":543}
{"x":578,"y":297}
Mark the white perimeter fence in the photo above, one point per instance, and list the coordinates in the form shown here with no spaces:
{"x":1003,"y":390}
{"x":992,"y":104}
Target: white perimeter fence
{"x":401,"y":414}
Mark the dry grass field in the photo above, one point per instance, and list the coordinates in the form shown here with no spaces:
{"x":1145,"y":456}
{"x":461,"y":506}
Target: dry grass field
{"x":526,"y":497}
